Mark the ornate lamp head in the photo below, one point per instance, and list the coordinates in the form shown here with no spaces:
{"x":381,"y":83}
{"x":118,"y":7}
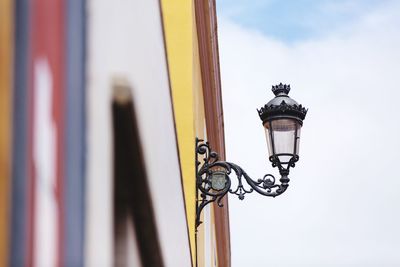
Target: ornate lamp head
{"x":282,"y":118}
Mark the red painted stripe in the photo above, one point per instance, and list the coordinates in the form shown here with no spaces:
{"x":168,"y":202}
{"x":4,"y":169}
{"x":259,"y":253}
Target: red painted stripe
{"x":47,"y":35}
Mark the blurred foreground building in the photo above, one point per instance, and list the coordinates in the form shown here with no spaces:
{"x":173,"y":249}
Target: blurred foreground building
{"x":100,"y":105}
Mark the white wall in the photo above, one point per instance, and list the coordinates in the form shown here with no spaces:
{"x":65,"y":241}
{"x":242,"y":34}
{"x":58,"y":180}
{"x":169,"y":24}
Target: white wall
{"x":125,"y":41}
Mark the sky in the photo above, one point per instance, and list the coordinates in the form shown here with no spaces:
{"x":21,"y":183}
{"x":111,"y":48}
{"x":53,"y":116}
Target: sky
{"x":342,"y":60}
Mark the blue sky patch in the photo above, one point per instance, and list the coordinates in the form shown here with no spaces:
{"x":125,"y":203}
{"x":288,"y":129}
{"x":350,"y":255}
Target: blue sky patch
{"x":295,"y":20}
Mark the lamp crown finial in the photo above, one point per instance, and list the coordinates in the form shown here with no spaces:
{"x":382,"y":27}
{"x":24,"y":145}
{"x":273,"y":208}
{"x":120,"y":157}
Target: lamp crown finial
{"x":281,"y":88}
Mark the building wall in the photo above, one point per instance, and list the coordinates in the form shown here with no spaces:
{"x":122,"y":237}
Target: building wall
{"x":126,"y":42}
{"x":6,"y":52}
{"x":47,"y":154}
{"x":68,"y":62}
{"x":19,"y":193}
{"x":206,"y":24}
{"x":46,"y":161}
{"x":75,"y":126}
{"x":188,"y":74}
{"x":178,"y":19}
{"x":187,"y":80}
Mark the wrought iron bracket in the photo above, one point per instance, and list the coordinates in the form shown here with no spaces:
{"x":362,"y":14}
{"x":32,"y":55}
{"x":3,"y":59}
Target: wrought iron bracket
{"x":213,"y":179}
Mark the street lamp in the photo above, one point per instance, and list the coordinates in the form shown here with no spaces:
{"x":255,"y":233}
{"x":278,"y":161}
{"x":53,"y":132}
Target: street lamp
{"x":282,"y":118}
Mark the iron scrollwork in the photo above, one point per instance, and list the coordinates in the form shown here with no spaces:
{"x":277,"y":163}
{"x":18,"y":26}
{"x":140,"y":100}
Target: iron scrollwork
{"x":213,"y":180}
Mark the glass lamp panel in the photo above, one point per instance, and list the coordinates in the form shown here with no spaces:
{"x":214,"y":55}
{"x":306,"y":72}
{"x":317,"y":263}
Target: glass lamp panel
{"x":298,"y":139}
{"x":283,"y":138}
{"x":267,"y":129}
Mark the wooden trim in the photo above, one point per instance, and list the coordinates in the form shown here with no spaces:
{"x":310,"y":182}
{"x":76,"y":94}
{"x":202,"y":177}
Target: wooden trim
{"x":206,"y":22}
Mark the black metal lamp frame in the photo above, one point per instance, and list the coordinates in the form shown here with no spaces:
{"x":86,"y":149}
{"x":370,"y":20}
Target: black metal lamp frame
{"x":213,"y":179}
{"x":214,"y":182}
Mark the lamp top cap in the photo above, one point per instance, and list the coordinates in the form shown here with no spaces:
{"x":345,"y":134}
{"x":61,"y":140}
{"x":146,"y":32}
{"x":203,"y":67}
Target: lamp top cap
{"x":281,"y":89}
{"x":282,"y":106}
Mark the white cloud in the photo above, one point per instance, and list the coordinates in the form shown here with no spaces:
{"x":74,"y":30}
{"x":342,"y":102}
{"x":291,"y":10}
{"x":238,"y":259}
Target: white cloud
{"x":343,"y":205}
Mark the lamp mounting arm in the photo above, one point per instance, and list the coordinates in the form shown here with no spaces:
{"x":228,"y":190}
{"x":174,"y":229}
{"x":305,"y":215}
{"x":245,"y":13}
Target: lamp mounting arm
{"x":213,"y":180}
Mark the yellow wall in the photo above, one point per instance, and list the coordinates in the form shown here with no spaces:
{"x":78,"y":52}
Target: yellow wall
{"x":5,"y":121}
{"x":179,"y":33}
{"x":187,"y":95}
{"x":200,"y":130}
